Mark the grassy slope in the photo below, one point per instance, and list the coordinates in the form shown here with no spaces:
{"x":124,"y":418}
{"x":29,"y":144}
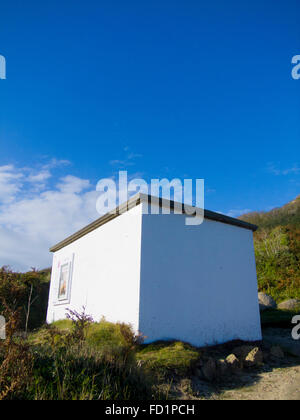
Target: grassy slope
{"x":161,"y":358}
{"x":288,"y":215}
{"x":277,"y":245}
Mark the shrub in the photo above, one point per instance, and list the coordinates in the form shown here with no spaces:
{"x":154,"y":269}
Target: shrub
{"x":76,"y":359}
{"x":277,"y":258}
{"x":27,"y":293}
{"x":16,"y":364}
{"x":100,"y":335}
{"x":79,"y":372}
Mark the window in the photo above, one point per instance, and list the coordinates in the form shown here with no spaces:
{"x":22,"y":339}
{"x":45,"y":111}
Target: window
{"x":64,"y":282}
{"x":62,"y":279}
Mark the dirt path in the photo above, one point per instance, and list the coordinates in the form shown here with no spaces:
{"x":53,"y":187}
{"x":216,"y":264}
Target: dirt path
{"x":277,"y":379}
{"x":273,"y":382}
{"x":280,"y":384}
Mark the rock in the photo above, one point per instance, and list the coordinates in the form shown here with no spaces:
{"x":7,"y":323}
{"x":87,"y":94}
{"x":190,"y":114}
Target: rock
{"x":222,"y":367}
{"x":277,"y":352}
{"x":209,"y":370}
{"x":254,"y":358}
{"x":290,"y":305}
{"x":242,"y":351}
{"x":282,"y":338}
{"x":292,"y":348}
{"x":199,"y":373}
{"x":233,"y":363}
{"x":266,"y":302}
{"x":199,"y":363}
{"x":186,"y":386}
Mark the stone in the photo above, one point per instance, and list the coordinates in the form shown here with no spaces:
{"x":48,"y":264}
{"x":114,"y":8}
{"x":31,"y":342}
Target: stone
{"x":254,"y":358}
{"x":290,"y":305}
{"x":209,"y":370}
{"x":282,"y":338}
{"x":277,"y":352}
{"x":199,"y":363}
{"x":266,"y":302}
{"x":186,"y":385}
{"x":199,"y":373}
{"x":222,"y":367}
{"x":242,"y":351}
{"x":233,"y":363}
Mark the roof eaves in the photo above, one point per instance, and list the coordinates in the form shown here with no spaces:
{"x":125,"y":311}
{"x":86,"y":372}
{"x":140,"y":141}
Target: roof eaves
{"x":135,"y":201}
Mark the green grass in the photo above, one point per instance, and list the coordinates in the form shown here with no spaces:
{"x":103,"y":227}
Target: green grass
{"x":160,"y":360}
{"x":110,"y":365}
{"x":63,"y":324}
{"x":98,"y":335}
{"x":283,"y":294}
{"x":83,"y":373}
{"x":168,"y":358}
{"x":105,"y":333}
{"x":62,"y":365}
{"x":162,"y":357}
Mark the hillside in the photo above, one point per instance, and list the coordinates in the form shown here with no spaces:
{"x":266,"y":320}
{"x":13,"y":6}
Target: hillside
{"x":289,"y":214}
{"x":277,"y":249}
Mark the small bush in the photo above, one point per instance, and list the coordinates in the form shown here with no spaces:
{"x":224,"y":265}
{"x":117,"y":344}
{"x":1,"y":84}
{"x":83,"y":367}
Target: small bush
{"x":16,"y":363}
{"x":74,"y":359}
{"x":100,"y":335}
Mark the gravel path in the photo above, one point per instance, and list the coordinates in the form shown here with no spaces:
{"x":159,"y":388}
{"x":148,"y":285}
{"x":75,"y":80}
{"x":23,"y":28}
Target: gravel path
{"x":277,"y":379}
{"x":280,"y":384}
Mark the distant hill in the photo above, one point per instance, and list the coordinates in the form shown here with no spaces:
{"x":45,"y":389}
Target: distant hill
{"x":287,"y":215}
{"x":277,"y":250}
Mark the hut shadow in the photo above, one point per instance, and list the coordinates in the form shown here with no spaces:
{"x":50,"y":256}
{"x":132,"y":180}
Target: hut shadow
{"x":244,"y":379}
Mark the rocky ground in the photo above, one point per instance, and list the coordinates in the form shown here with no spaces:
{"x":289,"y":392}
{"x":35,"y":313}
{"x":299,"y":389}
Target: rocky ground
{"x":263,"y":371}
{"x":277,"y":384}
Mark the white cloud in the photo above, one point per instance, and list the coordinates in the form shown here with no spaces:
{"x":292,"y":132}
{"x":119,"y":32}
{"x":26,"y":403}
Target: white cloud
{"x":31,"y":220}
{"x":39,"y":177}
{"x":235,"y":213}
{"x":129,"y":159}
{"x":72,"y":185}
{"x":293,"y":170}
{"x":10,"y":183}
{"x":55,"y":163}
{"x":238,"y":213}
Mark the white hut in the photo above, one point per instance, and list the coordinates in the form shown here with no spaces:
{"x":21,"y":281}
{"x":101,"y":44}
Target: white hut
{"x":168,"y":280}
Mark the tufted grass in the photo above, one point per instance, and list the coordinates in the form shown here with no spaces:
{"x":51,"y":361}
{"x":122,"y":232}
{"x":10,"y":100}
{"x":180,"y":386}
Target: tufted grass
{"x":168,"y":358}
{"x":98,"y":335}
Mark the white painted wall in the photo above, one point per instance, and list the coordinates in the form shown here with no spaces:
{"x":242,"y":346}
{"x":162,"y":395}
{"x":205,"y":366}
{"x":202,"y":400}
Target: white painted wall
{"x":198,"y":283}
{"x":106,"y":272}
{"x":170,"y":281}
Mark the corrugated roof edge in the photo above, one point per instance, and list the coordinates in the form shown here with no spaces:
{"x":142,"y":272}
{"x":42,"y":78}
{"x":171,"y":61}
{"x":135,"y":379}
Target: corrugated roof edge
{"x":135,"y":201}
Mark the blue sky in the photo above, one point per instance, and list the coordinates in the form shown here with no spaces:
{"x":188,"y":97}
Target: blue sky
{"x":177,"y":89}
